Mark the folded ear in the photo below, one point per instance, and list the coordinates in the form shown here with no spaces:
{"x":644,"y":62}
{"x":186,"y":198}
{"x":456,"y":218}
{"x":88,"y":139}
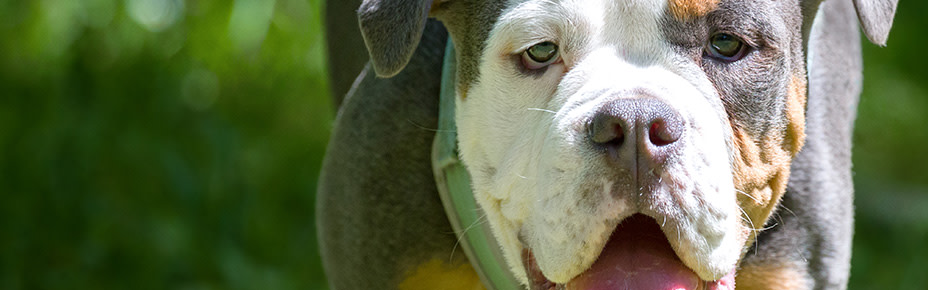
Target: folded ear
{"x":876,"y":17}
{"x":391,"y":31}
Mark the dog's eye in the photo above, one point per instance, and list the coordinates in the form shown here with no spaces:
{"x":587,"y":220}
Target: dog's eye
{"x":726,"y":47}
{"x":540,"y":55}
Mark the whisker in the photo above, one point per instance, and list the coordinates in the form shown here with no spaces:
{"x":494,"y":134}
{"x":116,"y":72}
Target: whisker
{"x":427,"y":128}
{"x":480,"y":220}
{"x":748,"y":195}
{"x":753,"y":228}
{"x":770,"y":227}
{"x":789,"y":210}
{"x":542,"y":110}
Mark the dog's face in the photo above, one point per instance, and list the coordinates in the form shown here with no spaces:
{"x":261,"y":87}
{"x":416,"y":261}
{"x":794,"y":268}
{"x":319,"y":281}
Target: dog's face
{"x":588,"y":112}
{"x":574,"y":116}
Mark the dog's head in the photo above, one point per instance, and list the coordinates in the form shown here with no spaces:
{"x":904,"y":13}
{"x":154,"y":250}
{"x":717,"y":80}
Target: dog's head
{"x":678,"y":117}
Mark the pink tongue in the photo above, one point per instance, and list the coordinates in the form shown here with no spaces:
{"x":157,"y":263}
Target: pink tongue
{"x":638,"y":256}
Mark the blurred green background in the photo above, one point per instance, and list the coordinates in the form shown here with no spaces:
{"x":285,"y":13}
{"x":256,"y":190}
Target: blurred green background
{"x":170,"y":144}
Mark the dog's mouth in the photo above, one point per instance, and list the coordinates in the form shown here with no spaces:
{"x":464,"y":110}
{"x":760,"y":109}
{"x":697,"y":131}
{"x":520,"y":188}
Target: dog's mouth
{"x":637,"y":256}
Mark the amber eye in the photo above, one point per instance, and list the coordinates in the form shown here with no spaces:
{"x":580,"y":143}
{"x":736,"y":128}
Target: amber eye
{"x":540,"y":55}
{"x":726,"y":47}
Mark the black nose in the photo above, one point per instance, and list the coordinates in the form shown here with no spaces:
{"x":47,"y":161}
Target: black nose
{"x":635,"y":130}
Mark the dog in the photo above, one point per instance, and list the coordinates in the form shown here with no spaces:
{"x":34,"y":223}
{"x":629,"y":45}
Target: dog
{"x":639,"y":144}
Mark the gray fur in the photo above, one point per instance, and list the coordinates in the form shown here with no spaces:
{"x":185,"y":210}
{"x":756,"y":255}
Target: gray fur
{"x":876,"y":18}
{"x":378,"y":210}
{"x":392,"y":30}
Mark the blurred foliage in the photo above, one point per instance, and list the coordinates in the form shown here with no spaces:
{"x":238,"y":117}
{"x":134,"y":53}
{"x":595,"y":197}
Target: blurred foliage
{"x":891,"y":159}
{"x":161,"y":144}
{"x":170,"y":144}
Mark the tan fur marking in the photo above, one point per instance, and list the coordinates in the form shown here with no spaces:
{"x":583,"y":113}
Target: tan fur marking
{"x":435,"y":274}
{"x":796,"y":114}
{"x":691,"y":9}
{"x":773,"y":277}
{"x":761,"y":168}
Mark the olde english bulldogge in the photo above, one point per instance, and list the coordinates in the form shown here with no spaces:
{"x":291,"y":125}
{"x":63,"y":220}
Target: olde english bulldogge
{"x":611,"y":144}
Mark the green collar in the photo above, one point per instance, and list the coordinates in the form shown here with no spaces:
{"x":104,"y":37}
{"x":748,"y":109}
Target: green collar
{"x":454,"y":186}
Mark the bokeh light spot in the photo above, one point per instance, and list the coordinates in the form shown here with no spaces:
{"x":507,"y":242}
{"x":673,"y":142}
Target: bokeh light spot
{"x":155,"y":15}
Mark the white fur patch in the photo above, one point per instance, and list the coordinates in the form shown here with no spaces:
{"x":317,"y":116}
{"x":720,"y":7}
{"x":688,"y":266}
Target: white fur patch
{"x":523,"y":139}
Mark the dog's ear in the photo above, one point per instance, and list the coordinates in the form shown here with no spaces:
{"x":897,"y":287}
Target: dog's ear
{"x":876,"y":17}
{"x":391,"y":31}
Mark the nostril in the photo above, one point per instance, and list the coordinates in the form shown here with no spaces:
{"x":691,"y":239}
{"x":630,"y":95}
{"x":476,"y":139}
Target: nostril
{"x":619,"y":137}
{"x":661,"y":134}
{"x":606,"y":130}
